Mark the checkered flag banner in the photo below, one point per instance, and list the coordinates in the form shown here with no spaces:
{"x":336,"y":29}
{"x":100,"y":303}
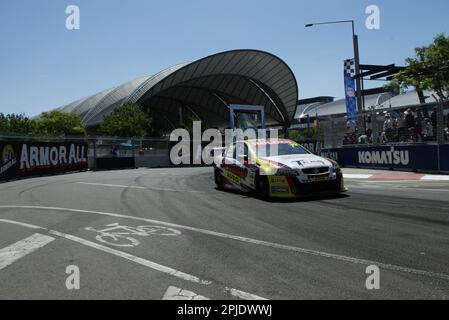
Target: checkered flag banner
{"x":350,"y":67}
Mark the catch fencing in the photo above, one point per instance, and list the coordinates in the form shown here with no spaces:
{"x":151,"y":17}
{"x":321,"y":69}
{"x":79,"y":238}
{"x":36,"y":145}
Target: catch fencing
{"x":422,"y":124}
{"x":412,"y":138}
{"x":122,"y":153}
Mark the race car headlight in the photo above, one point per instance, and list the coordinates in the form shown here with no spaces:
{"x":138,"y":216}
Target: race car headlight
{"x":335,"y":167}
{"x":279,"y":169}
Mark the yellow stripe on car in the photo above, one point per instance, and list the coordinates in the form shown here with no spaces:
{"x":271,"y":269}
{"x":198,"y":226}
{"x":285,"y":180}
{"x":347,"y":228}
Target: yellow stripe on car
{"x":232,"y":177}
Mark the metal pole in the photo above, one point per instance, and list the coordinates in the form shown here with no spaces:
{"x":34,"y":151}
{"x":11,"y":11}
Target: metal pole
{"x":94,"y":141}
{"x":355,"y":40}
{"x":440,"y":122}
{"x":363,"y":105}
{"x":133,"y":153}
{"x":357,"y":73}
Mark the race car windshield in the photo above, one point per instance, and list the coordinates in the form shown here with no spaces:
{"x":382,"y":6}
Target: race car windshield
{"x":280,"y":149}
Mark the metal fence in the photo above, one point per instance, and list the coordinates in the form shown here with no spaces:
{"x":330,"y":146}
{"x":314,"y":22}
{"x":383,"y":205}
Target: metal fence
{"x":145,"y":152}
{"x":423,"y":124}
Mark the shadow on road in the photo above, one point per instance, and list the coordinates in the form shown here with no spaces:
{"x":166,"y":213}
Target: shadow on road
{"x":307,"y":198}
{"x":285,"y":200}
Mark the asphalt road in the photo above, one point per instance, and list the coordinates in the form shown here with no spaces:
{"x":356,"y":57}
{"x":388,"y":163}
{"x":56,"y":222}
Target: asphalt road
{"x":203,"y":243}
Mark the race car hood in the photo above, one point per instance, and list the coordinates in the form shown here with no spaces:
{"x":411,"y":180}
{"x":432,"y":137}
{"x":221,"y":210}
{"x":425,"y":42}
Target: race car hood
{"x":300,"y":161}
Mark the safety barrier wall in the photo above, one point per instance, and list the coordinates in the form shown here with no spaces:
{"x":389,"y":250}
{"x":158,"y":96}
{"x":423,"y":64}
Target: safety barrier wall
{"x":420,"y":158}
{"x":28,"y":157}
{"x":444,"y":157}
{"x":112,"y":163}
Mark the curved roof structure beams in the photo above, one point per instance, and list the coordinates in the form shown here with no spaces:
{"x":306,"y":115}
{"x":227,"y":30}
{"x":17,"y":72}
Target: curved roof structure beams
{"x":69,"y":108}
{"x":90,"y":102}
{"x":204,"y":89}
{"x":110,"y":101}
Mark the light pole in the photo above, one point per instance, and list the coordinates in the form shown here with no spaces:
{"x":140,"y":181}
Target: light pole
{"x":355,"y":41}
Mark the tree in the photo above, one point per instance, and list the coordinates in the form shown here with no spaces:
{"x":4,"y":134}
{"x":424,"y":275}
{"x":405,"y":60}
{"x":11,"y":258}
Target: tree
{"x":127,"y":121}
{"x":429,"y":70}
{"x":56,"y":123}
{"x":310,"y":134}
{"x":15,"y":124}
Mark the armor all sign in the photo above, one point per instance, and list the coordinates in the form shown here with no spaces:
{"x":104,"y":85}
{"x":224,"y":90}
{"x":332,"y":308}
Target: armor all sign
{"x":28,"y":158}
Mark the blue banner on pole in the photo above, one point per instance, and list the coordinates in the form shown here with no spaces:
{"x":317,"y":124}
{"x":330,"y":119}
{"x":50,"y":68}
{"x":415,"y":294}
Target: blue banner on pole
{"x":350,"y":91}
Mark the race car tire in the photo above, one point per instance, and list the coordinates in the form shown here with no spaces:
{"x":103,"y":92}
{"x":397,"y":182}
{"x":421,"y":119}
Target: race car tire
{"x":262,"y":187}
{"x":218,"y":179}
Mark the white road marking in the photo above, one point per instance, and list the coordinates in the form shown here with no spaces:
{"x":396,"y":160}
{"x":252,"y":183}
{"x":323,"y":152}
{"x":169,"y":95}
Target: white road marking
{"x":118,"y":235}
{"x":435,"y":178}
{"x":174,"y":293}
{"x":136,"y":187}
{"x":427,"y":189}
{"x":378,"y":186}
{"x":243,"y":295}
{"x":356,"y":176}
{"x":26,"y":225}
{"x":391,"y":182}
{"x":253,"y":241}
{"x":124,"y":255}
{"x":144,"y":262}
{"x":110,"y":185}
{"x":22,"y":248}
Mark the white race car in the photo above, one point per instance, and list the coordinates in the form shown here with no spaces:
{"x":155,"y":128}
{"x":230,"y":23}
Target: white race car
{"x":291,"y":172}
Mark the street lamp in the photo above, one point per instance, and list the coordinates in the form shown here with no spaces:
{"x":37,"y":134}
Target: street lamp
{"x":355,"y":40}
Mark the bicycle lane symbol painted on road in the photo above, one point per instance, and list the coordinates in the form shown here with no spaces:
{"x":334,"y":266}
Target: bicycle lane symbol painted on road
{"x":124,"y":236}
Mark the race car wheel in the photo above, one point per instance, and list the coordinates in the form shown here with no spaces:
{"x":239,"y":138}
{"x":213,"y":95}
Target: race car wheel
{"x":218,"y":179}
{"x":262,"y":187}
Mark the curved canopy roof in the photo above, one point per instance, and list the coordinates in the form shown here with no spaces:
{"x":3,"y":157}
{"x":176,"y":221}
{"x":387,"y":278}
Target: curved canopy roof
{"x":204,"y":89}
{"x":377,"y":101}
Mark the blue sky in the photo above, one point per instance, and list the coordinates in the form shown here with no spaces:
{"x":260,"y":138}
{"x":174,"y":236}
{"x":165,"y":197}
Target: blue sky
{"x":43,"y":65}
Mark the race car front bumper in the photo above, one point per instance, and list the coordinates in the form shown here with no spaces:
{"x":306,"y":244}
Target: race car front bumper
{"x":292,"y":187}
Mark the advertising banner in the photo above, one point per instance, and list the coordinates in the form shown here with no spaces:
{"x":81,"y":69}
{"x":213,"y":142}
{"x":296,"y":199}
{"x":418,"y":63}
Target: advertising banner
{"x":28,"y":158}
{"x":350,"y":90}
{"x":444,"y":157}
{"x":417,"y":157}
{"x":313,"y":146}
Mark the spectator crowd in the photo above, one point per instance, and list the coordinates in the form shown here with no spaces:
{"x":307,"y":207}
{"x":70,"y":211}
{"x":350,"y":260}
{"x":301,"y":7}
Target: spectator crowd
{"x":406,"y":126}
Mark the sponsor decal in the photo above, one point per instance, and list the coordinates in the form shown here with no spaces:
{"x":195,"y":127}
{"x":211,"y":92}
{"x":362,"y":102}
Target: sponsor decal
{"x":262,"y":142}
{"x":232,"y":177}
{"x":241,"y":172}
{"x":278,"y":189}
{"x":55,"y":156}
{"x":307,"y":162}
{"x":278,"y":179}
{"x":319,"y":178}
{"x":8,"y":158}
{"x":391,"y":157}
